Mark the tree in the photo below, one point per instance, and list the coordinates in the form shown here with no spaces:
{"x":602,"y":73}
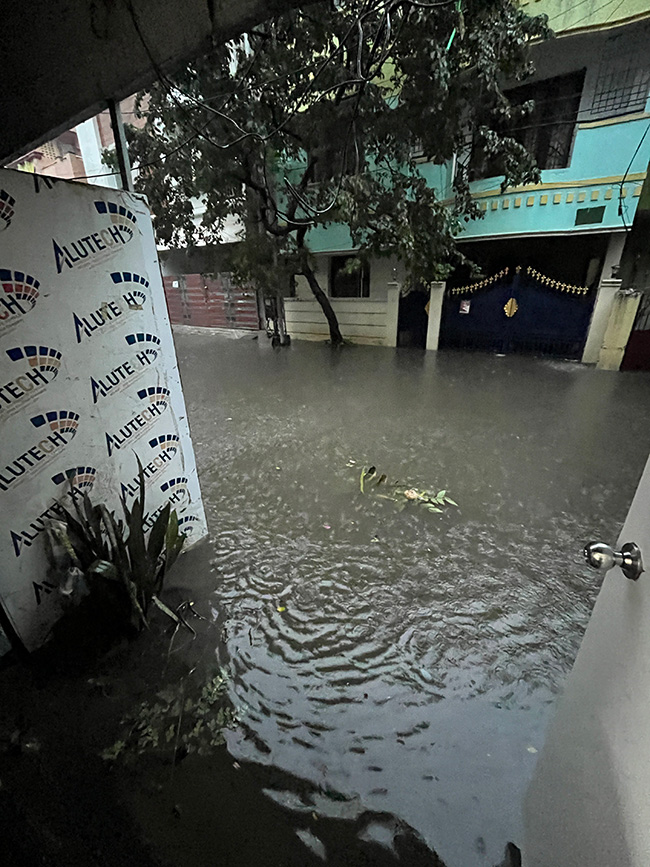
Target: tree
{"x":315,"y":117}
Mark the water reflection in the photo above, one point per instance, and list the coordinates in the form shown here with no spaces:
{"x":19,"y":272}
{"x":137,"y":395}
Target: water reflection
{"x":404,"y":658}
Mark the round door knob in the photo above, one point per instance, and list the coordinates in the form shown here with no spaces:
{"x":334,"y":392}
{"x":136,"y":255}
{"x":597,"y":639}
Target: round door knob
{"x":602,"y":556}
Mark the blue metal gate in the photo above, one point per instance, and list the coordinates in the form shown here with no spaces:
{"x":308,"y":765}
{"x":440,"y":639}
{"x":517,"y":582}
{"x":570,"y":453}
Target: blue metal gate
{"x":517,"y":310}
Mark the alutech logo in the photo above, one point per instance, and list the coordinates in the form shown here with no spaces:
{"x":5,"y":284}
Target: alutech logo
{"x":106,"y":317}
{"x":18,"y":295}
{"x":166,"y":443}
{"x":155,"y":400}
{"x":177,"y":497}
{"x":188,"y":524}
{"x":176,"y":489}
{"x":147,"y":346}
{"x":77,"y":478}
{"x":149,"y":471}
{"x":97,"y":245}
{"x":40,"y":365}
{"x":63,"y":426}
{"x":72,"y":482}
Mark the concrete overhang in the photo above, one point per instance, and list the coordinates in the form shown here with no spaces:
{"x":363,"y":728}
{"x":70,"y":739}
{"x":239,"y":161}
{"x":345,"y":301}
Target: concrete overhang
{"x":62,"y":59}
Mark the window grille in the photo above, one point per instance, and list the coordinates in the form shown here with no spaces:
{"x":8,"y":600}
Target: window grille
{"x":49,"y":150}
{"x":622,"y":84}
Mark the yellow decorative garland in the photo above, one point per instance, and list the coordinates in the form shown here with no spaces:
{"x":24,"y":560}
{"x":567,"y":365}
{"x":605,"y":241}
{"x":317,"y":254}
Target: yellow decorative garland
{"x":536,"y":275}
{"x":473,"y":287}
{"x":557,"y":284}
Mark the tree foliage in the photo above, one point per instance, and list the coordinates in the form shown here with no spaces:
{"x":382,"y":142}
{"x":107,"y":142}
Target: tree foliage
{"x":314,"y":118}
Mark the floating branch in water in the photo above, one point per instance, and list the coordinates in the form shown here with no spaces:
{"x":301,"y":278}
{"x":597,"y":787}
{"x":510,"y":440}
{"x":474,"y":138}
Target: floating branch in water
{"x":404,"y":494}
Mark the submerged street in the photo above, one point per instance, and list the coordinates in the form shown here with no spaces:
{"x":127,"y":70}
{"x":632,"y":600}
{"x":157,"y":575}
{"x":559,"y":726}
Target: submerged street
{"x":387,"y":673}
{"x":405,"y":659}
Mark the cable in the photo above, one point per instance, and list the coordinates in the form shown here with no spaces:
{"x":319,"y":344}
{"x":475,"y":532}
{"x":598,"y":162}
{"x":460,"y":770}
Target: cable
{"x":589,"y":14}
{"x":621,"y":206}
{"x":168,"y":85}
{"x":142,"y":165}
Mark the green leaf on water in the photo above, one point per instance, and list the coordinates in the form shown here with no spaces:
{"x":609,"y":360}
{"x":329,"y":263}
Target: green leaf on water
{"x":440,"y":494}
{"x":451,"y":502}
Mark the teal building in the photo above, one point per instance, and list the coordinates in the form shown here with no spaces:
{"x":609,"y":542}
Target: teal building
{"x":590,"y":134}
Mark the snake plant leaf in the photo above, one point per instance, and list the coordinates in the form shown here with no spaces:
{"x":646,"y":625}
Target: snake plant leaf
{"x":126,"y":510}
{"x":116,"y":540}
{"x":135,"y":543}
{"x":158,"y":532}
{"x":138,"y":616}
{"x":92,"y":517}
{"x":83,"y":545}
{"x":140,"y":481}
{"x":173,"y":541}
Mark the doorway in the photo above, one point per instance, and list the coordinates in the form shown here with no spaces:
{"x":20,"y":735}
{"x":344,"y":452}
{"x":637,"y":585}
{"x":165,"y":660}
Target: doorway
{"x":413,"y":319}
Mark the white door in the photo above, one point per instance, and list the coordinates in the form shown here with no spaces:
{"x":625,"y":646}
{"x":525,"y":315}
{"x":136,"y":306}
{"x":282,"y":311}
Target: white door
{"x":589,"y":802}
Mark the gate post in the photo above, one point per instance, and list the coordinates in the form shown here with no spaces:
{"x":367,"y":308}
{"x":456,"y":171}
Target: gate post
{"x":607,"y":289}
{"x":392,"y":315}
{"x":435,"y":314}
{"x":621,"y":319}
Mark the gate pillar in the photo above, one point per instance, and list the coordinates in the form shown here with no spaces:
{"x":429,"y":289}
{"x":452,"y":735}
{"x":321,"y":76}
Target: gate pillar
{"x":599,"y":319}
{"x":435,"y":314}
{"x":621,"y":319}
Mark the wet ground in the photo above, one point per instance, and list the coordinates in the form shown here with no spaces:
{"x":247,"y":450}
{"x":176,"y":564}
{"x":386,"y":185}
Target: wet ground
{"x":392,"y":668}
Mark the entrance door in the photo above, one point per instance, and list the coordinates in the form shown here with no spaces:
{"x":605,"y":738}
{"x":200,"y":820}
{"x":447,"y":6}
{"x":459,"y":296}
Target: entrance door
{"x":589,"y":802}
{"x":517,"y":310}
{"x":413,"y":320}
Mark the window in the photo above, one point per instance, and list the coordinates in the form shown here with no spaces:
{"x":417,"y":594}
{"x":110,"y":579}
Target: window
{"x":332,"y":162}
{"x":547,"y":131}
{"x":349,"y":277}
{"x":417,"y":151}
{"x":623,"y":80}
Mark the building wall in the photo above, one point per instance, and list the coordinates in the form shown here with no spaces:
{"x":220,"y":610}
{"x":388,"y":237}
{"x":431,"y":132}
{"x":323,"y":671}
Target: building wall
{"x":384,"y":274}
{"x":607,"y":166}
{"x":564,"y":17}
{"x":361,"y":320}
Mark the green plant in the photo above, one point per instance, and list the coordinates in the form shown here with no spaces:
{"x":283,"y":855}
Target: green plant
{"x":404,"y":494}
{"x":110,"y":560}
{"x":183,"y":718}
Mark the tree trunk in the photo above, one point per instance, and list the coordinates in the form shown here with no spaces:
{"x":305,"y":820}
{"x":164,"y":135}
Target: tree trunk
{"x":335,"y":333}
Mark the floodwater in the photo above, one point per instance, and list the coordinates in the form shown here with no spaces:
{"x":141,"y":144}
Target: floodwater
{"x":408,"y":661}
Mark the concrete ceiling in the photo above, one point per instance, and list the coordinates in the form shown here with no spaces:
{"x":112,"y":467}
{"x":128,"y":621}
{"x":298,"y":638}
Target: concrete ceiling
{"x":62,"y":59}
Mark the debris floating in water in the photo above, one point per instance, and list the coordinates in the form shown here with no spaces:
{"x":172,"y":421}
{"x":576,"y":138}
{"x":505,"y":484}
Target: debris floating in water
{"x":404,"y":494}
